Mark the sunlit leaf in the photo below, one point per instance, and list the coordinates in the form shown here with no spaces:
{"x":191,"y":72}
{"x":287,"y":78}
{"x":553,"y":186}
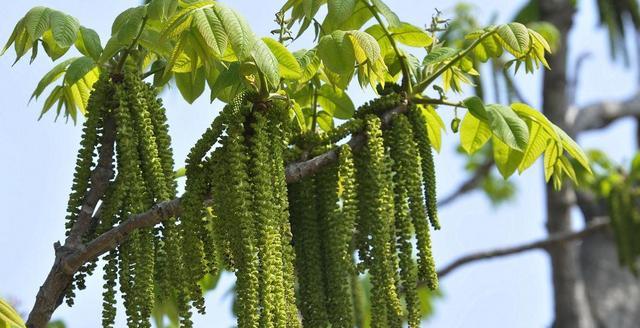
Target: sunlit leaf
{"x":473,"y":133}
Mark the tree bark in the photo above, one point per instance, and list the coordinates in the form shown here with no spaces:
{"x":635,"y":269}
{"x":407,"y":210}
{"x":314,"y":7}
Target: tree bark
{"x":570,"y":303}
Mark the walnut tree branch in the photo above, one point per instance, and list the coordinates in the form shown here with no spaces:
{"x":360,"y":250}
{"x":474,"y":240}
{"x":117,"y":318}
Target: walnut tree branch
{"x":69,"y":259}
{"x":592,"y":227}
{"x":601,"y":114}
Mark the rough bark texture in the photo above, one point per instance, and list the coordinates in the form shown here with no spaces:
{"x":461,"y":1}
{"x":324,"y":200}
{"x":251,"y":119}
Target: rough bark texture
{"x":570,"y":303}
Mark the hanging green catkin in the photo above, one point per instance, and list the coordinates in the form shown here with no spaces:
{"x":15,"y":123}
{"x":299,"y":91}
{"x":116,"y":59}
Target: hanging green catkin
{"x":272,"y":296}
{"x":421,"y":136}
{"x":307,"y":241}
{"x":139,"y":251}
{"x":109,"y":294}
{"x":88,"y":143}
{"x":376,"y":208}
{"x":243,"y":238}
{"x":339,"y":225}
{"x":279,"y":131}
{"x":407,"y":160}
{"x":400,"y":139}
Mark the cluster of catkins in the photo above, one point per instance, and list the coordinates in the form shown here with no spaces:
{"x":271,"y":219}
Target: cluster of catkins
{"x":297,"y":249}
{"x":362,"y":215}
{"x":127,"y":129}
{"x":624,"y":210}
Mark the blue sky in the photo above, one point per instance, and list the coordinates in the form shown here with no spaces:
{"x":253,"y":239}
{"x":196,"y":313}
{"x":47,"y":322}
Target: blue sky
{"x":38,"y":159}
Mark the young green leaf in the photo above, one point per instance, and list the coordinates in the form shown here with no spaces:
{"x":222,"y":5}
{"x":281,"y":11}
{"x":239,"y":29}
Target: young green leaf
{"x":36,"y":21}
{"x":474,"y":133}
{"x":288,"y":65}
{"x":435,"y":126}
{"x":210,"y":28}
{"x":476,"y":107}
{"x":507,"y":159}
{"x":335,"y":102}
{"x":340,"y":10}
{"x":411,"y":35}
{"x":507,"y":126}
{"x":538,"y":138}
{"x":64,"y":29}
{"x":54,"y":74}
{"x":336,"y":52}
{"x":325,"y":121}
{"x":515,"y":38}
{"x":191,"y":85}
{"x":78,"y":69}
{"x":266,"y":62}
{"x":365,"y":47}
{"x":389,"y":15}
{"x":88,"y":43}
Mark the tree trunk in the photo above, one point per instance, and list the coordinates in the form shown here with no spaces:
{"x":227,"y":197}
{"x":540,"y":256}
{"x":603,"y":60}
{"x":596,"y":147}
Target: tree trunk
{"x":570,"y":304}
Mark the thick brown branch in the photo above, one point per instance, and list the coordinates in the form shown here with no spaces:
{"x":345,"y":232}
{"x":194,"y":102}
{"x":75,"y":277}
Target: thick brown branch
{"x":52,"y":291}
{"x":600,"y":115}
{"x":594,"y":226}
{"x":100,"y":178}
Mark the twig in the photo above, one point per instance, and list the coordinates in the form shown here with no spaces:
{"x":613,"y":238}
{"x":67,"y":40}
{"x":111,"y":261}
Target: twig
{"x":470,"y":184}
{"x":592,"y":227}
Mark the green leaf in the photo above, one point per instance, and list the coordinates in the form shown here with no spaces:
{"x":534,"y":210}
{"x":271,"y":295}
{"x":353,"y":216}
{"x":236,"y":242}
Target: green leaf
{"x":17,"y":30}
{"x":551,"y":155}
{"x":507,"y":126}
{"x":64,"y":29}
{"x":365,"y":47}
{"x":78,"y":69}
{"x":335,"y":102}
{"x":515,"y":38}
{"x":573,"y":149}
{"x":325,"y":121}
{"x":336,"y":52}
{"x":359,"y":16}
{"x":474,"y":133}
{"x":299,"y":115}
{"x":476,"y":107}
{"x":288,"y":65}
{"x":210,"y":28}
{"x":309,"y":62}
{"x":506,"y":158}
{"x":51,"y":46}
{"x":191,"y":85}
{"x":110,"y":49}
{"x":151,"y":40}
{"x":439,"y":55}
{"x":54,"y":74}
{"x":161,"y":9}
{"x":538,"y":138}
{"x":56,"y":94}
{"x":389,"y":15}
{"x":127,"y":25}
{"x":227,"y":84}
{"x":88,"y":43}
{"x":36,"y":21}
{"x":340,"y":10}
{"x":241,"y":37}
{"x":435,"y":126}
{"x":266,"y":62}
{"x":411,"y":35}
